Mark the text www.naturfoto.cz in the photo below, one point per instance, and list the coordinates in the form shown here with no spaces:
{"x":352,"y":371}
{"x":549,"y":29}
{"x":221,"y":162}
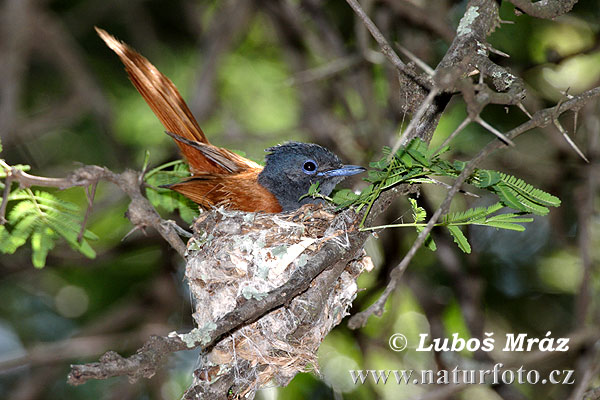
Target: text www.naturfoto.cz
{"x":466,"y":376}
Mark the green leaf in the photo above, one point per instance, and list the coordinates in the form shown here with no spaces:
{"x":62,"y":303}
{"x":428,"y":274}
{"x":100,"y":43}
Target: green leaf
{"x":376,"y":176}
{"x":460,"y":239}
{"x":531,"y":193}
{"x":509,"y":217}
{"x":471,"y":215}
{"x":429,"y":243}
{"x":419,"y":213}
{"x":441,"y":151}
{"x":486,"y":178}
{"x":505,"y":225}
{"x":418,"y":157}
{"x":508,"y":197}
{"x":42,"y":241}
{"x":381,"y":164}
{"x":405,"y":158}
{"x":20,"y":233}
{"x":313,"y":191}
{"x":459,"y":165}
{"x":518,"y":201}
{"x":344,"y":196}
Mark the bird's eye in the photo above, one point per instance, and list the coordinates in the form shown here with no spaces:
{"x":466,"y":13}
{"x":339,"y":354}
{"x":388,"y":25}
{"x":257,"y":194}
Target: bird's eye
{"x":309,"y":167}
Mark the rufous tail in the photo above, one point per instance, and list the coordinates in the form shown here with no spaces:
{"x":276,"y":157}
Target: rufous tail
{"x":165,"y":101}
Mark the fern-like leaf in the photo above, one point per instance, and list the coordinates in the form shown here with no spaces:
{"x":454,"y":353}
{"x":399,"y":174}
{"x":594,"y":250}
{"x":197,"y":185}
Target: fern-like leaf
{"x":459,"y":238}
{"x":419,"y":215}
{"x":532,"y":193}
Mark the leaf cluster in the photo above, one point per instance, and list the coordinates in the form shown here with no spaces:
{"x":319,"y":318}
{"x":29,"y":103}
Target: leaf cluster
{"x":43,"y":218}
{"x":416,"y":163}
{"x":165,"y":199}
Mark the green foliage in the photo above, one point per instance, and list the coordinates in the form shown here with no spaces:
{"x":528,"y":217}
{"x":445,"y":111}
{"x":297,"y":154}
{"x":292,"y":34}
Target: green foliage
{"x":166,"y":199}
{"x":521,"y":196}
{"x":419,"y":215}
{"x":42,"y":218}
{"x":417,"y":164}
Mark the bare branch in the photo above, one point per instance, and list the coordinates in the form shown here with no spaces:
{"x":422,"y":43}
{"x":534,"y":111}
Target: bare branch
{"x":458,"y":129}
{"x":140,"y":211}
{"x":548,"y":9}
{"x":7,"y":185}
{"x":386,"y":49}
{"x":90,"y":193}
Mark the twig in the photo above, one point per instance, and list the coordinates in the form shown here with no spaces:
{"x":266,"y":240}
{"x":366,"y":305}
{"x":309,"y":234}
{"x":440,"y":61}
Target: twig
{"x":386,"y":49}
{"x":458,"y":129}
{"x":325,"y":71}
{"x":89,"y":194}
{"x":495,"y":131}
{"x":420,"y":63}
{"x":407,"y":135}
{"x":569,"y":140}
{"x":7,"y":185}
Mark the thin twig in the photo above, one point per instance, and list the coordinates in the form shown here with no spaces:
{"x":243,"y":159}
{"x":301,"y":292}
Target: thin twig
{"x":407,"y":135}
{"x":7,"y":185}
{"x":420,"y":63}
{"x":90,"y":200}
{"x":386,"y":49}
{"x":458,"y":129}
{"x":569,"y":140}
{"x":495,"y":131}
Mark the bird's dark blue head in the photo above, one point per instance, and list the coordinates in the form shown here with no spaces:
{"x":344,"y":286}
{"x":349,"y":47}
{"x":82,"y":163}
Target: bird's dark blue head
{"x":292,"y":167}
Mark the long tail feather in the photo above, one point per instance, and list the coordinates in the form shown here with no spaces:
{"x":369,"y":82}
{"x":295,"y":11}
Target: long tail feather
{"x":162,"y":96}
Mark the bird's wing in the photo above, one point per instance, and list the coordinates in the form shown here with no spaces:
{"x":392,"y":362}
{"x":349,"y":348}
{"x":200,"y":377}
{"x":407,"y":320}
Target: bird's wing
{"x":226,"y":159}
{"x":167,"y":104}
{"x":239,"y":192}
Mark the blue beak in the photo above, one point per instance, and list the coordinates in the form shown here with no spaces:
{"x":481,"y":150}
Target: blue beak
{"x":346,"y":170}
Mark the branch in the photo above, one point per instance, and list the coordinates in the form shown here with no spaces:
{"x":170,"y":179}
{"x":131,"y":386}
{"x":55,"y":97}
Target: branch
{"x":539,"y":119}
{"x":147,"y":359}
{"x":140,"y":211}
{"x":386,"y":49}
{"x":548,"y":9}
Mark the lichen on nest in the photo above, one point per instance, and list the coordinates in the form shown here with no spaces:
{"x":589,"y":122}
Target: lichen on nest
{"x":235,"y":256}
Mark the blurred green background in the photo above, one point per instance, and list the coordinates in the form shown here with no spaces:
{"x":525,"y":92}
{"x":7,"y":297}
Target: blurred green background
{"x":257,"y":73}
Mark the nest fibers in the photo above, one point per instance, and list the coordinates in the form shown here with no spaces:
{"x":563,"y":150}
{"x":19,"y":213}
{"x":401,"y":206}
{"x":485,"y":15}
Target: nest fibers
{"x":236,"y":256}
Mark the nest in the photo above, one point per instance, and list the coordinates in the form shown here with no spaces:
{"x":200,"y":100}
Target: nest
{"x":236,"y":256}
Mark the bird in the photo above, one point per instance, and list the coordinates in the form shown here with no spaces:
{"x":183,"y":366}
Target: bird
{"x":220,"y":177}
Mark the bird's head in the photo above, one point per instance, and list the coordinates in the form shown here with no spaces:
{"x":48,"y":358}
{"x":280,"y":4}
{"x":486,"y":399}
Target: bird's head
{"x":292,"y":167}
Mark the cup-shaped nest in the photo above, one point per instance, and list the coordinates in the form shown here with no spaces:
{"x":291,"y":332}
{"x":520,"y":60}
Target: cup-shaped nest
{"x":237,"y":256}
